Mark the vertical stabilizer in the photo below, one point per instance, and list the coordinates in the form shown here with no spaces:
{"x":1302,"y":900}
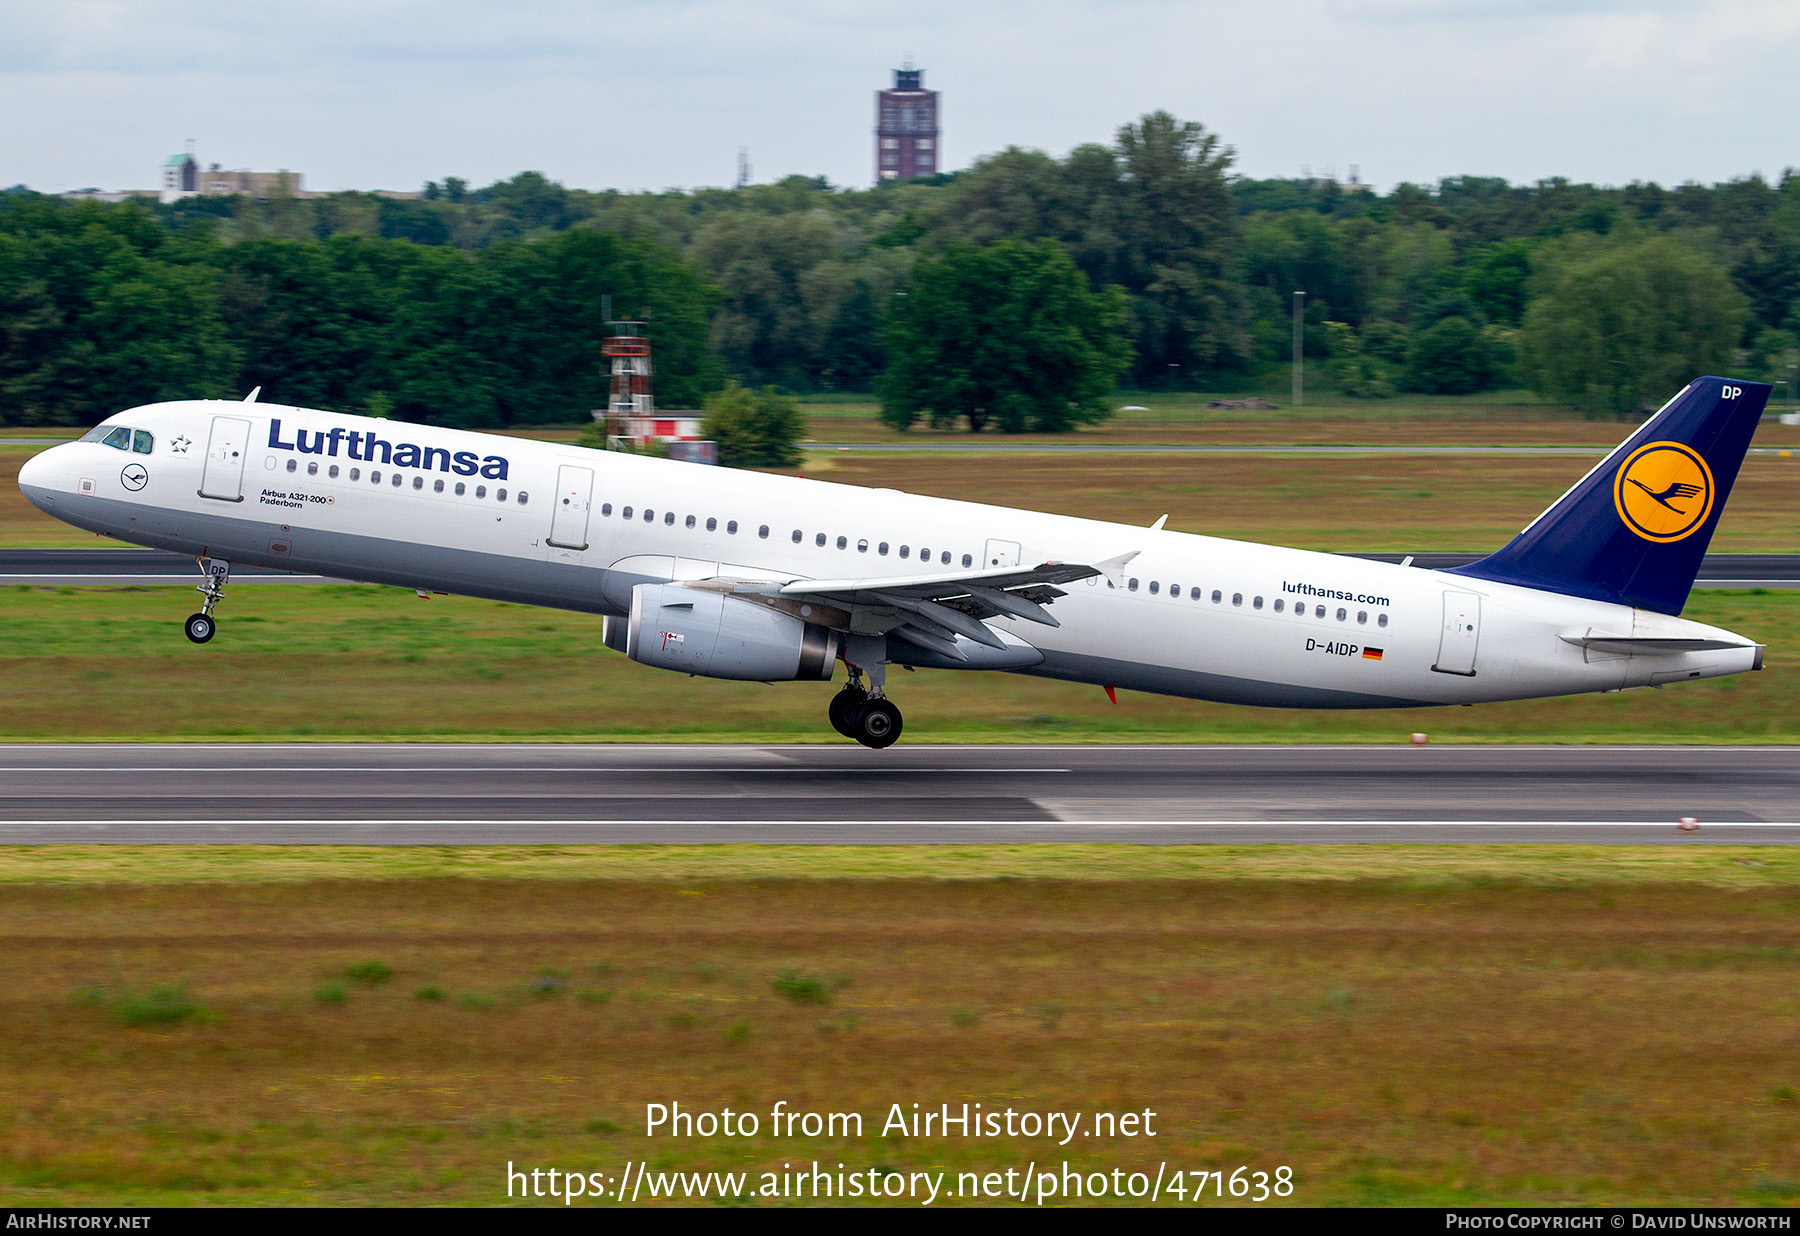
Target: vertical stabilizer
{"x":1633,"y":531}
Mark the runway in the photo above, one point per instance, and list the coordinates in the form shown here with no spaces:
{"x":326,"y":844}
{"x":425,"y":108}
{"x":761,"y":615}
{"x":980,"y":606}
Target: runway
{"x":149,"y":567}
{"x":393,"y":794}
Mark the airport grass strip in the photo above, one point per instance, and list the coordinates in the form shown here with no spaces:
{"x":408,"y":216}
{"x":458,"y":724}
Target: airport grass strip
{"x":1578,"y":1031}
{"x":1435,"y":865}
{"x":354,"y":662}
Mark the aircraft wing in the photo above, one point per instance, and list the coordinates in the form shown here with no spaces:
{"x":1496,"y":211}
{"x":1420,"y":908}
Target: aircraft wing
{"x":931,"y":611}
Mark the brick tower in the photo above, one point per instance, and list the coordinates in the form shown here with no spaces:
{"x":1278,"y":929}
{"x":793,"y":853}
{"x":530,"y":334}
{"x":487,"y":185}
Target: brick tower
{"x":906,"y":128}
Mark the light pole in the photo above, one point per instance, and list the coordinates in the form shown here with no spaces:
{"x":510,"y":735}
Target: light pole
{"x":1299,"y":343}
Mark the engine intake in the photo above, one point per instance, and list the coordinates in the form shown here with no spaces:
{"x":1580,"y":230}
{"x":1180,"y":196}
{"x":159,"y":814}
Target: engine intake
{"x":714,"y":635}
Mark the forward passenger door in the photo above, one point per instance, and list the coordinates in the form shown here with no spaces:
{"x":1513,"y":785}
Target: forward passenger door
{"x":222,"y":476}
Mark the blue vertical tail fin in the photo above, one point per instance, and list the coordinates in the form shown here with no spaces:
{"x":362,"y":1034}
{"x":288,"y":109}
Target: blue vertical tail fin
{"x":1633,"y":530}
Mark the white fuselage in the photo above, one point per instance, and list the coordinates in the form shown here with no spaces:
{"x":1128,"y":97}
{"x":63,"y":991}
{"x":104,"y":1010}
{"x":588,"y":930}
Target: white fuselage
{"x":477,"y":514}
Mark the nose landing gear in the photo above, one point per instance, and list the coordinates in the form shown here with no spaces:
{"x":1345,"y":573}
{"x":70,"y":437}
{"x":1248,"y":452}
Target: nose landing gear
{"x":866,"y":715}
{"x":202,"y":626}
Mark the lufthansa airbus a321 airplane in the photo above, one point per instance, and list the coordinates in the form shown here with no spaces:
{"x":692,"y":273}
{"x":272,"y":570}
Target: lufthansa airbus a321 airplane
{"x":741,"y":575}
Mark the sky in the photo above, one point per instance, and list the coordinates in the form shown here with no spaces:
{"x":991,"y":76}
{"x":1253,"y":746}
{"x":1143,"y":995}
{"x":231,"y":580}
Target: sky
{"x":619,"y":94}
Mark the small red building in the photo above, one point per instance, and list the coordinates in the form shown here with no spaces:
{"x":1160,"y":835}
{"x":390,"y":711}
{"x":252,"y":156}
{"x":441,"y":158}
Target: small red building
{"x":631,"y":416}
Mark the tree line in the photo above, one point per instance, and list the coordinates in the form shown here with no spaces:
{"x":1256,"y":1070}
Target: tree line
{"x":1145,"y":259}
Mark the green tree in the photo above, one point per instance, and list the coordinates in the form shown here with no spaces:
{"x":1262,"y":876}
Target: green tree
{"x":1449,"y":357}
{"x":1152,"y":214}
{"x":101,"y":308}
{"x":754,"y":429}
{"x":1359,"y":374}
{"x":1620,"y":324}
{"x":1181,"y":232}
{"x":1496,"y":278}
{"x":1008,"y":335}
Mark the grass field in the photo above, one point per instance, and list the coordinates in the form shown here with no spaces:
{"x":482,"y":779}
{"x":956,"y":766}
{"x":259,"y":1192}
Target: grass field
{"x":359,"y":662}
{"x":1514,"y":1025}
{"x":1335,"y":503}
{"x":1502,"y":418}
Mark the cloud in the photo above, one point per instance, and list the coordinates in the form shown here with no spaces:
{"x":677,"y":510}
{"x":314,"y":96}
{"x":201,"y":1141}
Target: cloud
{"x":632,"y":94}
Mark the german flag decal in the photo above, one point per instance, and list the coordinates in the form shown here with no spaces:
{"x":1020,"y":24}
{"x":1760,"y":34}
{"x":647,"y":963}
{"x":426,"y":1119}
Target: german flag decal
{"x":1371,"y":654}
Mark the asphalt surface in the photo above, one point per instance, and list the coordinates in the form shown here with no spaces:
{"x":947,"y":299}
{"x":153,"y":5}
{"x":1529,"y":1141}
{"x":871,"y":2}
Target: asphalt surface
{"x":393,"y":794}
{"x":148,"y":566}
{"x":135,"y":567}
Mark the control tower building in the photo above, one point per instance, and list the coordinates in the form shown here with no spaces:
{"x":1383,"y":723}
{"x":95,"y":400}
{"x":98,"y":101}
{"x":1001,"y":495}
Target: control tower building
{"x":906,"y":128}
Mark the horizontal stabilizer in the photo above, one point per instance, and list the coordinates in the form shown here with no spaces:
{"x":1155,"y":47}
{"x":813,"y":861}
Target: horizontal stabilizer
{"x":1638,"y":646}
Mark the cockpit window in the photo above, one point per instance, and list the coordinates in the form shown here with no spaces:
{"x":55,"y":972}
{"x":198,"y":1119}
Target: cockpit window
{"x":119,"y":439}
{"x":141,"y":442}
{"x":96,"y":433}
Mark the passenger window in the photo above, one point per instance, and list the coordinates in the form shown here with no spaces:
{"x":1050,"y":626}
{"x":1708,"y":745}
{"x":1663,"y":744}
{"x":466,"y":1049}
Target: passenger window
{"x":712,"y":525}
{"x":356,"y":474}
{"x":1194,"y":593}
{"x":437,"y":487}
{"x":843,"y":542}
{"x":312,"y":467}
{"x":968,"y":560}
{"x":1362,"y":617}
{"x":1237,"y":598}
{"x":374,"y":477}
{"x":668,"y":516}
{"x":1217,"y":596}
{"x":1342,"y":615}
{"x":523,"y":497}
{"x":396,"y":480}
{"x":1154,"y":587}
{"x":882,"y":549}
{"x":1318,"y":611}
{"x":905,"y":552}
{"x":819,"y":540}
{"x":731,"y":527}
{"x":649,"y":515}
{"x":763,"y":532}
{"x":293,"y":465}
{"x":141,"y":442}
{"x":418,"y":482}
{"x":481,"y":492}
{"x":1132,"y":586}
{"x":332,"y":472}
{"x":1256,"y":604}
{"x":1175,"y":590}
{"x":1381,"y":620}
{"x":796,"y":536}
{"x":924,"y":555}
{"x":862,"y":547}
{"x":690,"y":521}
{"x":1279,"y":604}
{"x":945,"y":557}
{"x":119,"y":439}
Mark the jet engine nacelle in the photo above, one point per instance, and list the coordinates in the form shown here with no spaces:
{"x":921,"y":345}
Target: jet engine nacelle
{"x":717,"y":636}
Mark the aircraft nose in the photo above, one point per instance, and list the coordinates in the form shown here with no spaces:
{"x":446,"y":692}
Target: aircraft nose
{"x":37,"y":478}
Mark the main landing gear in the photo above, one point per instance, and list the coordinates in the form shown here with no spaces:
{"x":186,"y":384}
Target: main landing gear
{"x":201,"y":626}
{"x":868,"y":717}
